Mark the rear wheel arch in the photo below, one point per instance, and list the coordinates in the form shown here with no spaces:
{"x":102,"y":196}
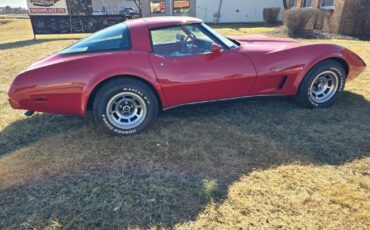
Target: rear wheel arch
{"x":91,"y":98}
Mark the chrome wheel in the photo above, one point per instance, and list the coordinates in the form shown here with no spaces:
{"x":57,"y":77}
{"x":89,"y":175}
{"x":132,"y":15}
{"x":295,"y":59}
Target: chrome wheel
{"x":126,"y":110}
{"x":324,"y":86}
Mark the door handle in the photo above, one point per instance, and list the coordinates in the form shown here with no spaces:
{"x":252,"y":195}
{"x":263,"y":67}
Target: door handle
{"x":276,"y":69}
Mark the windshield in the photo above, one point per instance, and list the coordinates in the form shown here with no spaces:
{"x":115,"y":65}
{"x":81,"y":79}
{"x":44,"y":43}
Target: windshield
{"x":230,"y":44}
{"x":112,"y":38}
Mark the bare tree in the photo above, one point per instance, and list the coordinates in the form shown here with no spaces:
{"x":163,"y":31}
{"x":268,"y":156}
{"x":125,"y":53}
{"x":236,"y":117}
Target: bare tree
{"x":285,"y":3}
{"x":138,"y":4}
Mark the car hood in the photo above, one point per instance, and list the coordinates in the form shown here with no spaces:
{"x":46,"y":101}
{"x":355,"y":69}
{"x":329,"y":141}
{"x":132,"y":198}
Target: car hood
{"x":262,"y":44}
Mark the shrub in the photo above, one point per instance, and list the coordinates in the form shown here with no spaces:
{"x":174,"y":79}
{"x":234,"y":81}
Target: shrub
{"x":297,"y":19}
{"x":270,"y":15}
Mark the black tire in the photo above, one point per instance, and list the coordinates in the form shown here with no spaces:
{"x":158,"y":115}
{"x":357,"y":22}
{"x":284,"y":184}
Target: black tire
{"x":305,"y":96}
{"x":126,"y":88}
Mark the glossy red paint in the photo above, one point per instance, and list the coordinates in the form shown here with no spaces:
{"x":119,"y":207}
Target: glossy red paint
{"x":276,"y":58}
{"x":259,"y":66}
{"x":208,"y":77}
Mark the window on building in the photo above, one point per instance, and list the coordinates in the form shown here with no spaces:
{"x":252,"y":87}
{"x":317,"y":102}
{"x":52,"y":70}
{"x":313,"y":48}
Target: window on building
{"x":181,"y":7}
{"x":157,"y":7}
{"x":112,"y":38}
{"x":327,"y":4}
{"x":307,"y":3}
{"x":293,"y":3}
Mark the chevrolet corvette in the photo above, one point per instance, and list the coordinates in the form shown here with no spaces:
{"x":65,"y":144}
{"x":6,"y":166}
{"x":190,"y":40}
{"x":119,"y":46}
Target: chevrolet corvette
{"x":127,"y":73}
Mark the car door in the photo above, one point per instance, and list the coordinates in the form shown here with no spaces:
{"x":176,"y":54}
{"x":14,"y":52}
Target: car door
{"x":198,"y":75}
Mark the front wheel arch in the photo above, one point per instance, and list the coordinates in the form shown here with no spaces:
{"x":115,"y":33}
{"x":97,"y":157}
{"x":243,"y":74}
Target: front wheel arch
{"x":93,"y":93}
{"x":300,"y":79}
{"x":328,"y":64}
{"x":341,"y":61}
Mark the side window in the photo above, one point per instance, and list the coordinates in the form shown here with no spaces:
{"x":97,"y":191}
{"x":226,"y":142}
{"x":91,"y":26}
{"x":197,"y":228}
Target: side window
{"x":112,"y":38}
{"x":293,"y":3}
{"x":181,"y":7}
{"x":166,"y":36}
{"x":327,"y":4}
{"x":178,"y":41}
{"x":307,"y":3}
{"x":157,"y":7}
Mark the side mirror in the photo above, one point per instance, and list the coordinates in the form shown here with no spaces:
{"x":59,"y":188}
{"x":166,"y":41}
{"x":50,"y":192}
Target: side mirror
{"x":216,"y":48}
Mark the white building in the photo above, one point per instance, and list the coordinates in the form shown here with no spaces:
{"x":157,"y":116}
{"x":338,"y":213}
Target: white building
{"x":222,"y":11}
{"x":111,"y":7}
{"x":234,"y":10}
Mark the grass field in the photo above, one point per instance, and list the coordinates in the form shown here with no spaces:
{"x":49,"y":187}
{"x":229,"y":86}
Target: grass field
{"x":249,"y":165}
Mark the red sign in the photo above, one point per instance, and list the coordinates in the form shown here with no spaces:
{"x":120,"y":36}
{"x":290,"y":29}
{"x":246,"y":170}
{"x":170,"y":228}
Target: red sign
{"x":47,"y":7}
{"x":48,"y":11}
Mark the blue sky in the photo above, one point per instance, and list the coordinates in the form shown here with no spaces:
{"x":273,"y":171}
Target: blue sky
{"x":14,"y":3}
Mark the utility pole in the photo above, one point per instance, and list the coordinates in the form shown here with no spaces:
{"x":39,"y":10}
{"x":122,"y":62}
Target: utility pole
{"x":219,"y":12}
{"x":171,"y":7}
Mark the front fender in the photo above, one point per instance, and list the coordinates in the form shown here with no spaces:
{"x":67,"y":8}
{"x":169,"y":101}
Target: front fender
{"x":319,"y":53}
{"x":288,"y":60}
{"x":355,"y":65}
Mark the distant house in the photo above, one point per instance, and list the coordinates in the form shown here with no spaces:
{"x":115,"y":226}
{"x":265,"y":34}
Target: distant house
{"x":351,"y":17}
{"x":226,"y":11}
{"x":222,"y":11}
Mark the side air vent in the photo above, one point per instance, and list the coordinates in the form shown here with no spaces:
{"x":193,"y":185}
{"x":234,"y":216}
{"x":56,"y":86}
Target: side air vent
{"x":282,"y":84}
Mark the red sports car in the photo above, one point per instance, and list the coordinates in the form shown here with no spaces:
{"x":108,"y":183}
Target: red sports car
{"x":128,"y":72}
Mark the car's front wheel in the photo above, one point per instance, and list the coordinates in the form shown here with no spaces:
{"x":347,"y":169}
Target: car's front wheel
{"x":322,"y":86}
{"x":125,"y":106}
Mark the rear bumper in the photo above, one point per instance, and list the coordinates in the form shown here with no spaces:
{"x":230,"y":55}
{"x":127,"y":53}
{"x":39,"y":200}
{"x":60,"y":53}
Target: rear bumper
{"x":14,"y":104}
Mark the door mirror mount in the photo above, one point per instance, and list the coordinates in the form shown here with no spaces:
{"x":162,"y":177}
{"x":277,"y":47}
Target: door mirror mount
{"x":216,"y":48}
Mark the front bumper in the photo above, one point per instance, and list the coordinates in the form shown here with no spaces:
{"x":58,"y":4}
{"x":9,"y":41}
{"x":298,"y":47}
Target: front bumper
{"x":356,"y":64}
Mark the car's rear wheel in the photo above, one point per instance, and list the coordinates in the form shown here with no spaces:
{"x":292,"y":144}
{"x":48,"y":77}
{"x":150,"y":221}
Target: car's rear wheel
{"x":322,"y":86}
{"x":125,"y":106}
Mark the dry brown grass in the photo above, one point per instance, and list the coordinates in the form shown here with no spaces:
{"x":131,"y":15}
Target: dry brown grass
{"x":293,"y":197}
{"x":259,"y":164}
